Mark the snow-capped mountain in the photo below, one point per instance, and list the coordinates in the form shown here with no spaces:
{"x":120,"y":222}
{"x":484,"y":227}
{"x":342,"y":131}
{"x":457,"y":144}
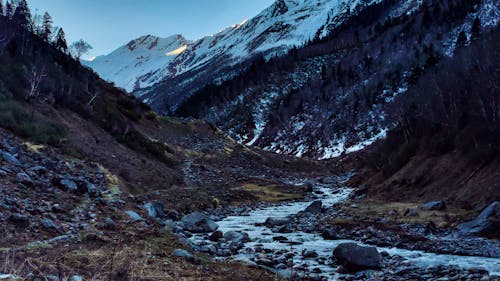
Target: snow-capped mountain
{"x":148,"y":60}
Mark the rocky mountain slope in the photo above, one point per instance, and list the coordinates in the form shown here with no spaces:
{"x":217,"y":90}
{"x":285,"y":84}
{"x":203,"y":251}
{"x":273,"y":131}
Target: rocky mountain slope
{"x":332,"y":96}
{"x":154,"y":62}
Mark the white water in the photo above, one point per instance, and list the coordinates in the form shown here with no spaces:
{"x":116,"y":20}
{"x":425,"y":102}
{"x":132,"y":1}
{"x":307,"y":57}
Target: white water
{"x":262,"y":235}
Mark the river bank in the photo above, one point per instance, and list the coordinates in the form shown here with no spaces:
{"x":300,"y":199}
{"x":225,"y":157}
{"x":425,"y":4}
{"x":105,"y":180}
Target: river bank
{"x":298,"y":238}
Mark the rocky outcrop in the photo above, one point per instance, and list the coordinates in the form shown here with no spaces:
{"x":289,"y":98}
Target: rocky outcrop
{"x":486,"y":224}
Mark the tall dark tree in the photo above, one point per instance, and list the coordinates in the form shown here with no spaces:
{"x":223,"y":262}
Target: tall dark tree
{"x":1,"y":7}
{"x":60,"y":40}
{"x":475,"y":29}
{"x":46,"y":27}
{"x":462,"y":39}
{"x":8,"y":9}
{"x":22,"y":14}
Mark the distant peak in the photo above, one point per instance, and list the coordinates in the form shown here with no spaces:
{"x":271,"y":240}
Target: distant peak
{"x":151,"y":41}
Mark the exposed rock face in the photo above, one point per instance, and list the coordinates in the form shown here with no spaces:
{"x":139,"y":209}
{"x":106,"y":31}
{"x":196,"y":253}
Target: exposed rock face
{"x":486,"y":224}
{"x":199,"y":223}
{"x":356,"y":258}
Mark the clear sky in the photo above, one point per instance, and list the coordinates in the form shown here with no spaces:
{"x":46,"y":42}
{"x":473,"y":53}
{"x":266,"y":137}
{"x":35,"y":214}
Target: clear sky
{"x":108,"y":24}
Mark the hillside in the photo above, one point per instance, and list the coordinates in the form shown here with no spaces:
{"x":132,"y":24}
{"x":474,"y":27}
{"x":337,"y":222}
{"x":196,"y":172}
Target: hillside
{"x":79,"y":160}
{"x":333,"y":96}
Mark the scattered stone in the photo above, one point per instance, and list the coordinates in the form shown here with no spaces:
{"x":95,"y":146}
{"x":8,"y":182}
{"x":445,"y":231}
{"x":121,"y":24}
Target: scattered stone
{"x":150,"y":209}
{"x":109,"y":223}
{"x":68,"y":185}
{"x":410,"y":213}
{"x":356,"y":258}
{"x":309,"y":254}
{"x":134,"y":216}
{"x":315,"y":207}
{"x":24,"y":179}
{"x":238,"y":237}
{"x":433,"y":206}
{"x":486,"y":224}
{"x":10,"y":158}
{"x":173,"y":215}
{"x":183,"y":254}
{"x":19,"y":219}
{"x":199,"y":223}
{"x":76,"y":278}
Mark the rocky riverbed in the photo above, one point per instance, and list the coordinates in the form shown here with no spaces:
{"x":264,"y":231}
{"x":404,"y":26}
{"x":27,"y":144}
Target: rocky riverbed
{"x":296,"y":240}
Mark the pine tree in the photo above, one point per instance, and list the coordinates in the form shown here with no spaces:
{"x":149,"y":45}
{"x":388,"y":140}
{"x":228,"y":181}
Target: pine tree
{"x":1,"y":7}
{"x":462,"y":39}
{"x":8,"y":9}
{"x":46,"y":27}
{"x":60,"y":41}
{"x":22,"y":14}
{"x":475,"y":29}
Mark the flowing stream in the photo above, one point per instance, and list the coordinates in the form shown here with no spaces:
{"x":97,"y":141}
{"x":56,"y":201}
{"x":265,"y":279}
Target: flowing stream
{"x":262,"y":236}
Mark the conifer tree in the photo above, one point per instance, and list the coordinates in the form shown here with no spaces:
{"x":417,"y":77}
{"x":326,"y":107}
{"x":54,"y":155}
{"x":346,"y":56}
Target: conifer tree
{"x":1,"y":8}
{"x":22,"y":14}
{"x":8,"y":9}
{"x":46,"y":27}
{"x":462,"y":39}
{"x":475,"y":29}
{"x":60,"y":41}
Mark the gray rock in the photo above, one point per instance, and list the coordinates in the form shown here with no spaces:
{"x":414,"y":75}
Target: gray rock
{"x":183,"y":254}
{"x":309,"y":254}
{"x":433,"y":206}
{"x":235,"y":236}
{"x":19,"y":219}
{"x":270,"y":222}
{"x":356,"y":258}
{"x":159,"y":207}
{"x":198,"y":223}
{"x":76,"y":278}
{"x":150,"y":209}
{"x":109,"y":223}
{"x":134,"y":216}
{"x":486,"y":224}
{"x":315,"y":207}
{"x":24,"y":179}
{"x":216,"y":236}
{"x":9,"y":158}
{"x":49,"y":224}
{"x":68,"y":185}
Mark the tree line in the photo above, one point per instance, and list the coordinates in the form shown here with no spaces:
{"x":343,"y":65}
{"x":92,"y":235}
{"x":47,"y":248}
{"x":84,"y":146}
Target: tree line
{"x":42,"y":26}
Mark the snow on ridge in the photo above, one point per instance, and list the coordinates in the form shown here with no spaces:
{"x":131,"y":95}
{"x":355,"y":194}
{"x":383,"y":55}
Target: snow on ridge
{"x":143,"y":62}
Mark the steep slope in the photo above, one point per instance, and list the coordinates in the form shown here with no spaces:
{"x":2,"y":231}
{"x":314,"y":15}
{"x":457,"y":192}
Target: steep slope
{"x":285,"y":24}
{"x":80,"y":160}
{"x":332,"y":96}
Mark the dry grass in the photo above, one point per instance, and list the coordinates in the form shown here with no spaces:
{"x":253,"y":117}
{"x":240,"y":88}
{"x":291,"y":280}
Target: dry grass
{"x":394,"y":211}
{"x":271,"y":193}
{"x":127,"y":258}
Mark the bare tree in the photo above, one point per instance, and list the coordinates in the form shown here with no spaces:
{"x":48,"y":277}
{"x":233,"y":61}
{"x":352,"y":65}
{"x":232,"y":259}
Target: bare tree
{"x":36,"y":77}
{"x":80,"y":48}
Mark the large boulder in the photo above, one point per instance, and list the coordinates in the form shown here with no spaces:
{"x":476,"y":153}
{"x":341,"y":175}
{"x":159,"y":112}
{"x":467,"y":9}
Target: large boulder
{"x":198,"y":223}
{"x":486,"y":224}
{"x":356,"y":258}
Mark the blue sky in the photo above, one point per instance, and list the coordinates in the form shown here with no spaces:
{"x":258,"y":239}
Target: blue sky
{"x":108,"y":24}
